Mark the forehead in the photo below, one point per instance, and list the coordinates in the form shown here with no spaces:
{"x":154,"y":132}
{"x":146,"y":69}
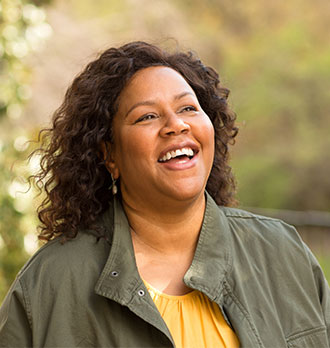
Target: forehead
{"x":157,"y":73}
{"x":155,"y":82}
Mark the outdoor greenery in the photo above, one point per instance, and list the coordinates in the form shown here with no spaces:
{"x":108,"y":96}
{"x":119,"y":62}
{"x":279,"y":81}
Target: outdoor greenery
{"x":274,"y":56}
{"x":22,"y":27}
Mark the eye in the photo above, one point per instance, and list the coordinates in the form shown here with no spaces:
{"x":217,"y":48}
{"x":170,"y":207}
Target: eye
{"x":189,"y":108}
{"x":146,"y":117}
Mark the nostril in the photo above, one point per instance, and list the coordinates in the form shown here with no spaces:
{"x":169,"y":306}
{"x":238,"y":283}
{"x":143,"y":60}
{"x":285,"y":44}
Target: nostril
{"x":170,"y":132}
{"x":175,"y":126}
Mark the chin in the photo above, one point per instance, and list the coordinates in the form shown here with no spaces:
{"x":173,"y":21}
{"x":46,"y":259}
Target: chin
{"x":187,"y":193}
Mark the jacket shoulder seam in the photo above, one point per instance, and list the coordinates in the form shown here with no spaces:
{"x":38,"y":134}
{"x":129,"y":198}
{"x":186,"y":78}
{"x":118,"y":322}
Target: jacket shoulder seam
{"x":245,"y":215}
{"x":253,"y":217}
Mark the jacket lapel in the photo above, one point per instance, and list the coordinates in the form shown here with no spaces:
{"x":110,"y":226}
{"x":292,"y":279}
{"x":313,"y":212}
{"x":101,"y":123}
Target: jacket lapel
{"x":120,"y":280}
{"x":212,"y":260}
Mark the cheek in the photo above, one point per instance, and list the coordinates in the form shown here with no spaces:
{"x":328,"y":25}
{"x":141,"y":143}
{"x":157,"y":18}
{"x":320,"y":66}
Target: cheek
{"x":208,"y":132}
{"x":209,"y":143}
{"x":212,"y":146}
{"x":133,"y":149}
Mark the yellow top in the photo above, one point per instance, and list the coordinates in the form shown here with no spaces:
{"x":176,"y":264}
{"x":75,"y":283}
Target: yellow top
{"x":193,"y":320}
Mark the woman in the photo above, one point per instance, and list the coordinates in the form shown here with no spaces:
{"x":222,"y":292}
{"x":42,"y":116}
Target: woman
{"x":139,"y":253}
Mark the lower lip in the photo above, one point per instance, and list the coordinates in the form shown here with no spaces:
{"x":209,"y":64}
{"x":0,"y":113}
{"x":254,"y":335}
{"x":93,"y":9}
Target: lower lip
{"x":180,"y":164}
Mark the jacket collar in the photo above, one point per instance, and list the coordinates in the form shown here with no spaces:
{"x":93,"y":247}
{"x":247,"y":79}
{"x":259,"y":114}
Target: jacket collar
{"x":213,"y":257}
{"x":120,"y":280}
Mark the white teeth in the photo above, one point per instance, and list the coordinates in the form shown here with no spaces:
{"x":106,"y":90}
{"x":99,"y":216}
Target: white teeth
{"x":185,"y":151}
{"x":179,"y":152}
{"x":188,"y":152}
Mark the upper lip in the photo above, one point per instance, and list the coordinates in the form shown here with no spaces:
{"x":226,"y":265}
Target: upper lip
{"x":177,"y":146}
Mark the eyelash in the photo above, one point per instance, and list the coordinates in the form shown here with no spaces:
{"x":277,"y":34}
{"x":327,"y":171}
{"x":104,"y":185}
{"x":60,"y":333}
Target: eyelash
{"x":192,"y":108}
{"x":147,"y":117}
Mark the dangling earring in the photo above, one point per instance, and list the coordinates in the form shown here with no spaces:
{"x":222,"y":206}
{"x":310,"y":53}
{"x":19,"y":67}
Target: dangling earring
{"x":114,"y":186}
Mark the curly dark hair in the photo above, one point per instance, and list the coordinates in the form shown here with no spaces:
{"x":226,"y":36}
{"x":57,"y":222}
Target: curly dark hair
{"x":73,"y":172}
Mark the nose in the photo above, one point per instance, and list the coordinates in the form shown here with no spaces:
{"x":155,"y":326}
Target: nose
{"x":174,"y":125}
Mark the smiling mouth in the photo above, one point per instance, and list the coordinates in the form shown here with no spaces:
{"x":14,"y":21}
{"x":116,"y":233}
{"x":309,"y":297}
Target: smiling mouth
{"x":185,"y":152}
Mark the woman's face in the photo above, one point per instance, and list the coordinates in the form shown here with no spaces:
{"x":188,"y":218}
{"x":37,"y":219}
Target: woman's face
{"x":163,"y":140}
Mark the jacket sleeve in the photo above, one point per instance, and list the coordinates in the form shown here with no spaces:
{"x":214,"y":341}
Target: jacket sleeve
{"x":15,"y":328}
{"x":323,"y":289}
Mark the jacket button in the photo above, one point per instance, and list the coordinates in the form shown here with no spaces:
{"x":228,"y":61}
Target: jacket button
{"x":114,"y":273}
{"x":141,"y":292}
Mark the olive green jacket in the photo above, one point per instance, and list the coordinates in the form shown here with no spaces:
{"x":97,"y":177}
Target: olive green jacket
{"x":89,"y":294}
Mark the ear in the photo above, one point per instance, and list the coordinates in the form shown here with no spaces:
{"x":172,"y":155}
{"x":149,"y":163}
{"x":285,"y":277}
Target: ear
{"x":107,"y":154}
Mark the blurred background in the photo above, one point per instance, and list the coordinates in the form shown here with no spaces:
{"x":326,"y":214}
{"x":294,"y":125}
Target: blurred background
{"x":274,"y":56}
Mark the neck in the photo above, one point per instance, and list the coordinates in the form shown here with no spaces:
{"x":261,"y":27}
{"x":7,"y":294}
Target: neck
{"x":171,"y":229}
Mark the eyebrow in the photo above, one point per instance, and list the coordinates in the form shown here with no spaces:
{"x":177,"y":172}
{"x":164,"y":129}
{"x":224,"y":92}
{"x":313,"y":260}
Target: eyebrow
{"x":151,"y":102}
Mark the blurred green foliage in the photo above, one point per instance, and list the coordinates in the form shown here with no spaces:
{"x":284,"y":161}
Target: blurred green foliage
{"x":285,"y":102}
{"x":12,"y":252}
{"x":22,"y":27}
{"x":324,"y":260}
{"x":275,"y":58}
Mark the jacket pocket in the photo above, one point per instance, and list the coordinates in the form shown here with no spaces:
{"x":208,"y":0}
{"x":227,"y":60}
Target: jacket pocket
{"x":317,"y":338}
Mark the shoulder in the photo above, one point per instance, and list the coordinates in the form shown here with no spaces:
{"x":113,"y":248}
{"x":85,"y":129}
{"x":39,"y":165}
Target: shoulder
{"x":264,"y":243}
{"x":54,"y":288}
{"x":247,"y":225}
{"x":252,"y":236}
{"x":56,"y":264}
{"x":71,"y":251}
{"x":85,"y":251}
